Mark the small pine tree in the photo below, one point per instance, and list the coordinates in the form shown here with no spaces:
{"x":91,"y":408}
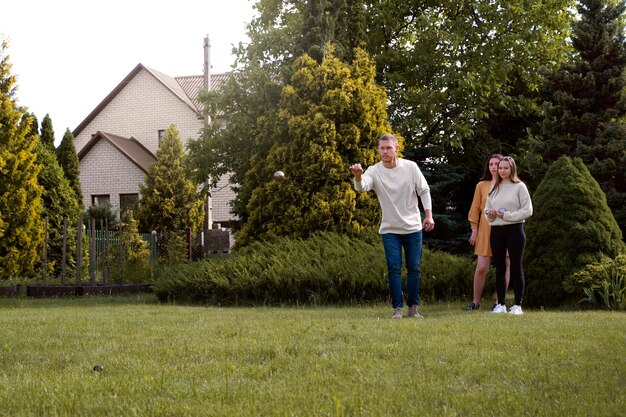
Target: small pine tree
{"x":572,"y":226}
{"x":132,"y":262}
{"x":169,"y":200}
{"x":68,"y":159}
{"x":21,"y":227}
{"x":47,"y":132}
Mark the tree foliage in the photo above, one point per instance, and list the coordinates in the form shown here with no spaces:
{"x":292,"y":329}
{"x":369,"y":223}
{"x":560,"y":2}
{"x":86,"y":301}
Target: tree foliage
{"x":572,"y":226}
{"x":21,"y":228}
{"x":47,"y":132}
{"x":169,"y":199}
{"x":586,"y":104}
{"x":68,"y":159}
{"x":462,"y":80}
{"x":58,"y":203}
{"x":329,"y":116}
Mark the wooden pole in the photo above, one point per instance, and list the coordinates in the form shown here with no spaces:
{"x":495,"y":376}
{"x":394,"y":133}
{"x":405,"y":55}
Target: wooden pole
{"x":79,"y":251}
{"x":64,"y":251}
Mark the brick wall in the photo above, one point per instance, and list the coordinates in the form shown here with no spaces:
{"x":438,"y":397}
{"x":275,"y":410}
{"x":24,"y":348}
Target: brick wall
{"x":104,"y":171}
{"x":140,"y":110}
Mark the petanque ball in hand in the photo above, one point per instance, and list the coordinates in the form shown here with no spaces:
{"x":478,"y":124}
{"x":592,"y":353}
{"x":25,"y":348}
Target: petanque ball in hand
{"x":279,"y":175}
{"x":98,"y":368}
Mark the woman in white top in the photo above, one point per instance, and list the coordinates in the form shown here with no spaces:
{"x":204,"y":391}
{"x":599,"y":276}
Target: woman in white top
{"x":507,"y":208}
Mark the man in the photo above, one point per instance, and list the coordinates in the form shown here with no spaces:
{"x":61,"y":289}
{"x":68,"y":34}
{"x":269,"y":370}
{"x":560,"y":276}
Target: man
{"x":397,"y":183}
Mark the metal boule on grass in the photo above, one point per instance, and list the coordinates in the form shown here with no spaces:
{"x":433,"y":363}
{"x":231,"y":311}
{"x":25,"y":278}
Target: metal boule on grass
{"x":279,"y":176}
{"x":98,"y":368}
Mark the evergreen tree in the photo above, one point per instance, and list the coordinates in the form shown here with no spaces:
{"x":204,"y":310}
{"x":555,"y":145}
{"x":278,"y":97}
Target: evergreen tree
{"x":571,"y":227}
{"x":135,"y":264}
{"x":21,"y":228}
{"x":34,"y":127}
{"x":169,"y":200}
{"x":68,"y":159}
{"x":47,"y":132}
{"x":58,"y":202}
{"x":330,"y":116}
{"x":587,"y":106}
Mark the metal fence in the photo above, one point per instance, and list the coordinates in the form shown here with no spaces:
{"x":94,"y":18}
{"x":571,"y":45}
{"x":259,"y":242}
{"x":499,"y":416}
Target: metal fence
{"x":96,"y":261}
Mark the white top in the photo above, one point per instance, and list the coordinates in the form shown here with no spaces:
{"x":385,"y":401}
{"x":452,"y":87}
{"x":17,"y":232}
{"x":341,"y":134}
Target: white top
{"x":397,"y":190}
{"x":513,"y":198}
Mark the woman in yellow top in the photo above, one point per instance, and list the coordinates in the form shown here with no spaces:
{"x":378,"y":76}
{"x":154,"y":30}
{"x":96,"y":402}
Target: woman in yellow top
{"x":481,"y":229}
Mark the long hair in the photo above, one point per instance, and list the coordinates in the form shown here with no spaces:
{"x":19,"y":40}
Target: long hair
{"x":514,"y":177}
{"x":487,"y":173}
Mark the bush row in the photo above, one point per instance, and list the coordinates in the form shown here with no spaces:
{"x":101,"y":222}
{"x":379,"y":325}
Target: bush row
{"x":328,"y":268}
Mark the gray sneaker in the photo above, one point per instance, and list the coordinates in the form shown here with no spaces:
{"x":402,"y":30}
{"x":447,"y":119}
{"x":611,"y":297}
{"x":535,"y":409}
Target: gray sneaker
{"x":414,"y":313}
{"x":397,"y":313}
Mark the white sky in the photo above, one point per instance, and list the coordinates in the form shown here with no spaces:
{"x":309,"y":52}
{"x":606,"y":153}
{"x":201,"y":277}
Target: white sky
{"x":68,"y":55}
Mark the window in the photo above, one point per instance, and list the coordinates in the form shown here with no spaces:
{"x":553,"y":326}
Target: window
{"x":128,"y":202}
{"x":161,"y":133}
{"x":101,"y":199}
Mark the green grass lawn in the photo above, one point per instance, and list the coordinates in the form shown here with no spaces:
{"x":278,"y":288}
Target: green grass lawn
{"x":170,"y":360}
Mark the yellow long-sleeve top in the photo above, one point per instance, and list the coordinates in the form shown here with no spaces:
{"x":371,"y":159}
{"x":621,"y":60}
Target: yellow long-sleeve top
{"x":397,"y":190}
{"x":512,"y":198}
{"x":477,"y":221}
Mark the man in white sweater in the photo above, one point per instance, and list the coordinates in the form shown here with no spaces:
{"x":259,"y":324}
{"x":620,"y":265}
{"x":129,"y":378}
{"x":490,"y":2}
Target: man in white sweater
{"x":397,"y":183}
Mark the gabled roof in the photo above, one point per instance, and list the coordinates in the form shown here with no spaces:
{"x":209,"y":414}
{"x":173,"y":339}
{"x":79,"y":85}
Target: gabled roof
{"x":129,"y":147}
{"x":185,"y":88}
{"x":192,"y":84}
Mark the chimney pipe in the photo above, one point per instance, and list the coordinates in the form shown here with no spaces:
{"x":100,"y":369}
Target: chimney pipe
{"x":207,"y":71}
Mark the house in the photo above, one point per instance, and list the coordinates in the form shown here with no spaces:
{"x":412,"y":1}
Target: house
{"x":118,"y":140}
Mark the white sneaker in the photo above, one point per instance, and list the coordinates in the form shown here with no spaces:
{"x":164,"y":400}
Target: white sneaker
{"x":397,"y":313}
{"x":499,"y":309}
{"x":517,"y":310}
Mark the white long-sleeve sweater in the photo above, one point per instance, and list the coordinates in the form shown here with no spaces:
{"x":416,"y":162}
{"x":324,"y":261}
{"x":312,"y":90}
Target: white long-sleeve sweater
{"x":512,"y":198}
{"x":397,"y":190}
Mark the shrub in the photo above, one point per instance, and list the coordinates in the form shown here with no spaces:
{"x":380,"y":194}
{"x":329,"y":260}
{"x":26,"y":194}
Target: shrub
{"x":135,"y":253}
{"x":326,"y":268}
{"x":102,"y":214}
{"x":602,"y":282}
{"x":572,"y":226}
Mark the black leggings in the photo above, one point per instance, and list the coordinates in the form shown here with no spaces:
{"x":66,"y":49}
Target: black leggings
{"x":512,"y":238}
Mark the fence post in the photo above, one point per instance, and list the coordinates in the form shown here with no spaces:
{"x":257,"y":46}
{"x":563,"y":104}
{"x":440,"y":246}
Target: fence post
{"x":121,"y":253}
{"x":92,"y":251}
{"x":105,"y":267}
{"x":45,"y":251}
{"x":64,"y":250}
{"x":79,"y":254}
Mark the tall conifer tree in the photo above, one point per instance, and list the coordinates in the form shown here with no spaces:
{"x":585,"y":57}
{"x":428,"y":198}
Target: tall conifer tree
{"x":169,"y":200}
{"x":68,"y":159}
{"x":21,"y":228}
{"x":47,"y":132}
{"x":587,"y":105}
{"x":330,"y":115}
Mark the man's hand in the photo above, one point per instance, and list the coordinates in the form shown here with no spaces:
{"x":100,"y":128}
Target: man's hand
{"x":428,"y":224}
{"x":357,"y":171}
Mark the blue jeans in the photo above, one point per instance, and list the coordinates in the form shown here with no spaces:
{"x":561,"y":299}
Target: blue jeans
{"x":412,"y":244}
